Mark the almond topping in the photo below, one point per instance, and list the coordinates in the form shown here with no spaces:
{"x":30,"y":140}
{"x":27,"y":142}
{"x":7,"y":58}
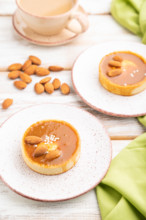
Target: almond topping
{"x":14,"y":74}
{"x":118,"y":58}
{"x":31,"y":70}
{"x":114,"y":63}
{"x":35,"y":60}
{"x":45,"y":80}
{"x":26,"y":64}
{"x":49,"y":88}
{"x":20,"y":84}
{"x":56,"y":83}
{"x":6,"y":103}
{"x":25,"y":78}
{"x":65,"y":89}
{"x":53,"y":155}
{"x":55,"y":68}
{"x":39,"y":88}
{"x":40,"y":71}
{"x":40,"y":150}
{"x":32,"y":140}
{"x":114,"y":72}
{"x":15,"y":66}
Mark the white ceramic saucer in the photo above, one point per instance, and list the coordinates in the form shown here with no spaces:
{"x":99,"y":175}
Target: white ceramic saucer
{"x":86,"y":174}
{"x":87,"y":85}
{"x":64,"y":37}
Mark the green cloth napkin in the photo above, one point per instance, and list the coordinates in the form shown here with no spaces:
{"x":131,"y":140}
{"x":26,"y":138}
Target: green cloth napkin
{"x":142,"y":120}
{"x":132,"y":15}
{"x":122,"y":193}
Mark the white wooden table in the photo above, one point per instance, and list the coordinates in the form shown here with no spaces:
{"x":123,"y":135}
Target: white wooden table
{"x":122,"y":130}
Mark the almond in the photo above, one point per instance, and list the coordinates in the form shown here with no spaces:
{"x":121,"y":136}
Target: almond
{"x":40,"y":71}
{"x":35,"y":60}
{"x":45,"y":80}
{"x":53,"y":155}
{"x":40,"y":150}
{"x":55,"y":68}
{"x":25,"y":78}
{"x":31,"y":70}
{"x":14,"y":74}
{"x":118,"y":58}
{"x":39,"y":88}
{"x":32,"y":140}
{"x":49,"y":88}
{"x":15,"y":66}
{"x":114,"y":72}
{"x":56,"y":83}
{"x":26,"y":64}
{"x":65,"y":89}
{"x":20,"y":84}
{"x":6,"y":103}
{"x":114,"y":63}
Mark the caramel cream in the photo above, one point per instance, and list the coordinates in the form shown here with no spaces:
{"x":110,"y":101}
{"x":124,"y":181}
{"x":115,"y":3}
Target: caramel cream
{"x":133,"y":68}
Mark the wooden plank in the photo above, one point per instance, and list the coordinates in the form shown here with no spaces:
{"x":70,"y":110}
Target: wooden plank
{"x":85,"y":207}
{"x":7,"y":7}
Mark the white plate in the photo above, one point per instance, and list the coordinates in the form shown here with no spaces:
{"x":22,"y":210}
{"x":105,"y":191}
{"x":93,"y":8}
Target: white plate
{"x":86,"y":83}
{"x":86,"y":174}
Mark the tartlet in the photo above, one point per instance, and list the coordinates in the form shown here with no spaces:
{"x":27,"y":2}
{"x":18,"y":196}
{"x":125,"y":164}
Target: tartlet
{"x":123,"y":73}
{"x":51,"y":147}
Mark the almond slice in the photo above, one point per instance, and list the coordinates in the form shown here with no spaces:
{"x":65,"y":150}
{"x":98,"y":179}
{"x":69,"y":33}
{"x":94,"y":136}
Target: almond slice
{"x":114,"y":63}
{"x":6,"y":103}
{"x":32,"y":140}
{"x":55,"y":68}
{"x":118,"y":58}
{"x":53,"y":155}
{"x":114,"y":72}
{"x":40,"y":150}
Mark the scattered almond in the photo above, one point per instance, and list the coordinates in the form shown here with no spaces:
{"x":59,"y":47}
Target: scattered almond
{"x":35,"y":60}
{"x":118,"y":58}
{"x":53,"y":155}
{"x":49,"y":88}
{"x":14,"y":74}
{"x":45,"y":80}
{"x":114,"y":63}
{"x":39,"y":88}
{"x":40,"y":150}
{"x":55,"y":68}
{"x":56,"y":83}
{"x":114,"y":72}
{"x":20,"y":84}
{"x":31,"y":70}
{"x":40,"y":71}
{"x":65,"y":89}
{"x":26,"y":64}
{"x":32,"y":140}
{"x":25,"y":78}
{"x":15,"y":66}
{"x":6,"y":103}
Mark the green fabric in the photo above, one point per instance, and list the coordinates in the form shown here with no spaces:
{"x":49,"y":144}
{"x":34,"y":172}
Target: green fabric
{"x":122,"y":193}
{"x":132,"y":15}
{"x":142,"y":120}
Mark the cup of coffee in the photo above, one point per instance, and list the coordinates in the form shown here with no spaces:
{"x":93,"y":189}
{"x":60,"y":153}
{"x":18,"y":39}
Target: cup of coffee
{"x":49,"y":17}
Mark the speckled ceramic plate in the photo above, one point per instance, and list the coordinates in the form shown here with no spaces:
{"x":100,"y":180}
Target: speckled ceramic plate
{"x":86,"y":174}
{"x":64,"y":37}
{"x":87,"y":85}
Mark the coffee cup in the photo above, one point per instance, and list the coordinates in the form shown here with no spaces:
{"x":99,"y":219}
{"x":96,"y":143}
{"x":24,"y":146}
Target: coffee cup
{"x":49,"y":22}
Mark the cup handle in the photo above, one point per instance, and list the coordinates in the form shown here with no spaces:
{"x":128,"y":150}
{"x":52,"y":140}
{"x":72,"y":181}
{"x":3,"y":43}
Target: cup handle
{"x":82,"y":20}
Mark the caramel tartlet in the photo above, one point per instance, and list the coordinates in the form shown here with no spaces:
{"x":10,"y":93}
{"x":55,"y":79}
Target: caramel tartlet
{"x":51,"y":147}
{"x":123,"y":73}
